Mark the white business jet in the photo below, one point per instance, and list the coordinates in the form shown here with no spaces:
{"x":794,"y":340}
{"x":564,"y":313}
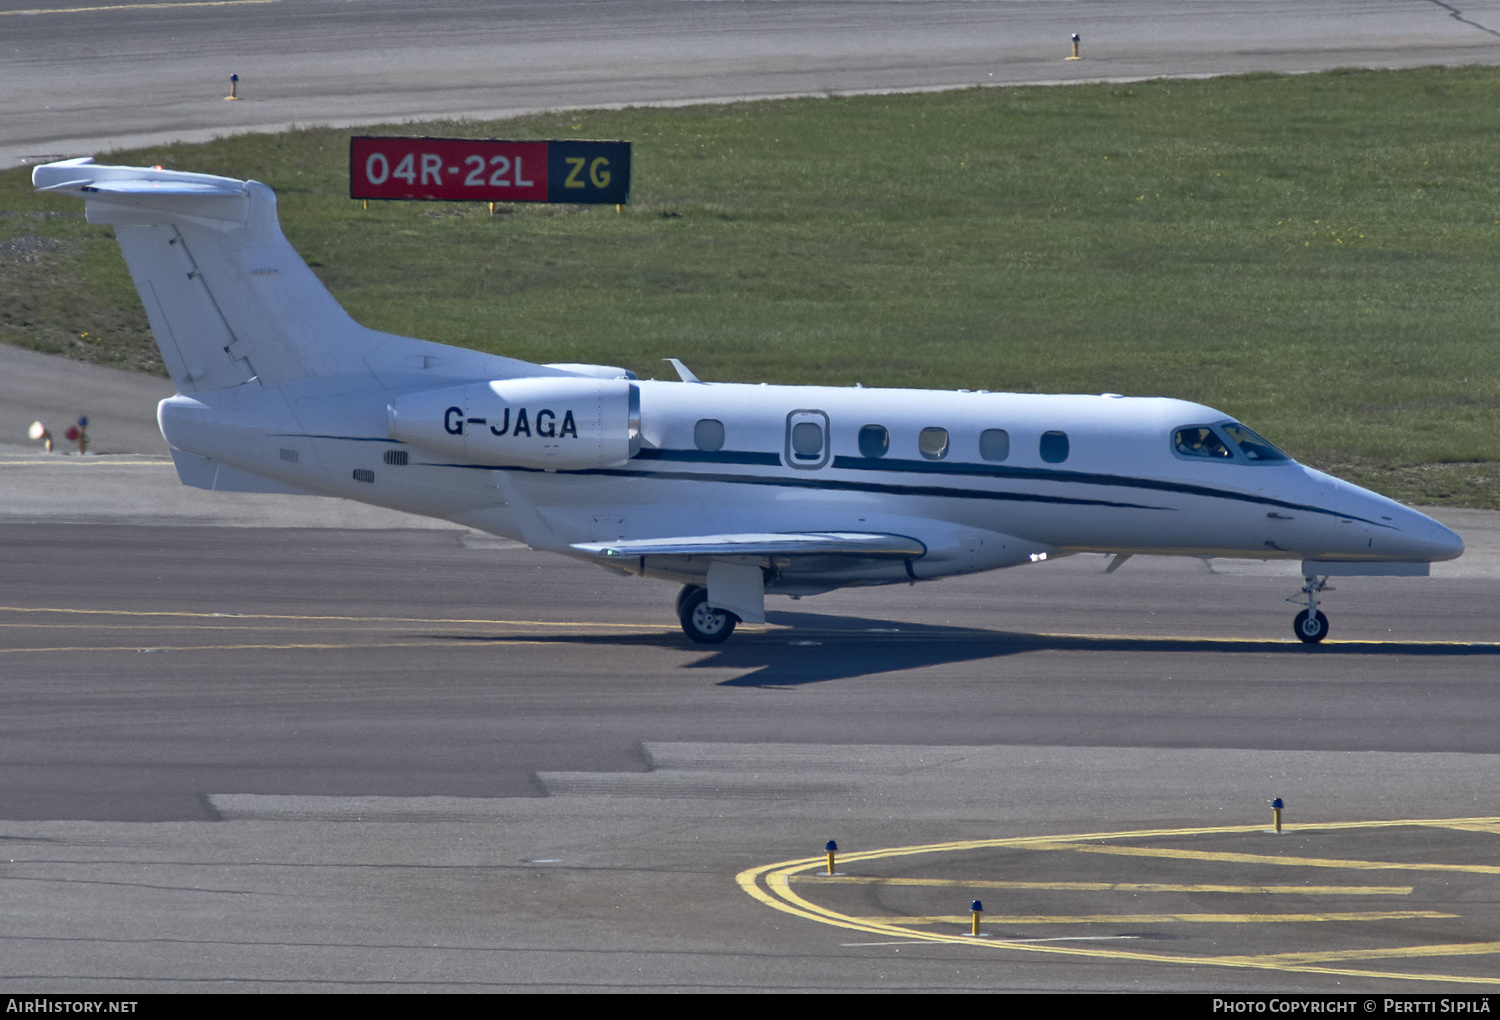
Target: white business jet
{"x":731,"y":490}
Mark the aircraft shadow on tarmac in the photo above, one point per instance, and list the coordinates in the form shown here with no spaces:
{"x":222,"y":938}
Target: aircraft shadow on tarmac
{"x":818,"y":648}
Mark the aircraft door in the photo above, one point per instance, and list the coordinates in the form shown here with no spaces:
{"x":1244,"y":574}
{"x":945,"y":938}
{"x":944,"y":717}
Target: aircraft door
{"x":807,"y":442}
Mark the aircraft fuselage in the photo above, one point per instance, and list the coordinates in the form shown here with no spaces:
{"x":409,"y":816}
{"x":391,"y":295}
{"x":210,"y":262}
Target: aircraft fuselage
{"x":734,"y":490}
{"x":996,"y":479}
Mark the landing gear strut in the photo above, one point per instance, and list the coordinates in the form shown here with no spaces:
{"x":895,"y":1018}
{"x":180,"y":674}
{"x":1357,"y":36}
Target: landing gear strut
{"x":702,"y":623}
{"x":1310,"y":626}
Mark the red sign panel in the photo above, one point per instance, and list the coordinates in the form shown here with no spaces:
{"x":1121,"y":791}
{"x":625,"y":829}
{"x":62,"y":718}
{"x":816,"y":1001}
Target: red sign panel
{"x":448,"y":169}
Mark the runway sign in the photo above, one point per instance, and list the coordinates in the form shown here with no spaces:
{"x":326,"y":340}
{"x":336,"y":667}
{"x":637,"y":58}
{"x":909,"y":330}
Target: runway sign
{"x":479,"y":170}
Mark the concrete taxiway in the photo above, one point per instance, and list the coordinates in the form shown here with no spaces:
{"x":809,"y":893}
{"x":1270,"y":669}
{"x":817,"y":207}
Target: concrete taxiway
{"x":83,"y":78}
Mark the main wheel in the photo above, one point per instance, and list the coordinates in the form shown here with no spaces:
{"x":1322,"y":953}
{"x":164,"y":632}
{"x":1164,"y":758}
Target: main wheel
{"x":701,"y":622}
{"x":1310,"y":628}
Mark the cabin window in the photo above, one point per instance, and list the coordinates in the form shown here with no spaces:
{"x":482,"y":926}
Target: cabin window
{"x":1200,"y":441}
{"x":874,"y":441}
{"x":1251,"y":445}
{"x":994,"y":444}
{"x":708,"y":435}
{"x":933,"y":443}
{"x":807,"y":440}
{"x":1054,"y":447}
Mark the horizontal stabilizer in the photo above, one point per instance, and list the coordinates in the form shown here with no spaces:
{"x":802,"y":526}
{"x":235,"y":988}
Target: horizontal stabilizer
{"x":156,"y":188}
{"x":810,"y":543}
{"x":68,"y":185}
{"x":84,"y":177}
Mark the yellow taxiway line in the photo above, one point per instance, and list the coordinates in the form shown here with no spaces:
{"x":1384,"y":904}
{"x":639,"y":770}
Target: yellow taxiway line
{"x":175,"y":614}
{"x":959,"y":883}
{"x":300,"y":646}
{"x":78,"y":460}
{"x":1354,"y":915}
{"x":771,"y":885}
{"x":142,"y":7}
{"x":774,"y":629}
{"x":1304,"y":862}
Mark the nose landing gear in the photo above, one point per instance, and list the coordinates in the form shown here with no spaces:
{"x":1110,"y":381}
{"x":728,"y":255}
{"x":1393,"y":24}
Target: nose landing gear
{"x":1310,"y":626}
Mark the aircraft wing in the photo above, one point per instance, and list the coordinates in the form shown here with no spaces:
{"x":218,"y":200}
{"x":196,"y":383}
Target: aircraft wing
{"x":796,"y":543}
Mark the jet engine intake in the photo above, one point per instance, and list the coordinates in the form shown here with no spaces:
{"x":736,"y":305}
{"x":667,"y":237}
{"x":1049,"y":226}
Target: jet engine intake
{"x":554,"y":423}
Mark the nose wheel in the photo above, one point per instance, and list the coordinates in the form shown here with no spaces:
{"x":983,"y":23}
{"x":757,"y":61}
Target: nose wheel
{"x":1310,"y":625}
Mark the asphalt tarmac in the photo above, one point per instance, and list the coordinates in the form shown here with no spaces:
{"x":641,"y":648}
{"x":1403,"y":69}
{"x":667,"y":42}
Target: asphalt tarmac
{"x":255,"y":743}
{"x":245,"y":752}
{"x":95,"y":76}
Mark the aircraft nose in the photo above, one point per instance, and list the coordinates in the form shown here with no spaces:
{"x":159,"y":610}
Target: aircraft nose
{"x":1444,"y":542}
{"x":1397,"y":532}
{"x":1426,"y":538}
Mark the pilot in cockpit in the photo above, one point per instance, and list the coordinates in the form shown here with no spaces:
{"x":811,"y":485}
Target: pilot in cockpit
{"x":1201,"y":442}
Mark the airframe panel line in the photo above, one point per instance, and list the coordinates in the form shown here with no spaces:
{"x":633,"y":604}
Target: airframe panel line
{"x":778,"y":894}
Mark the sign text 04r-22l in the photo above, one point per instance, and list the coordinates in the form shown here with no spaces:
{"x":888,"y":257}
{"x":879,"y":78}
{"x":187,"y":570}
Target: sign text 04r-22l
{"x":479,"y":170}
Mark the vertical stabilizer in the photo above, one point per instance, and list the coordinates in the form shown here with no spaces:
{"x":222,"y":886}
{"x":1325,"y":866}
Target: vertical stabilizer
{"x":228,"y":297}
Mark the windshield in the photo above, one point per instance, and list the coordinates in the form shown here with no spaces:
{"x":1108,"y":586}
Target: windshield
{"x":1200,"y":441}
{"x":1251,"y":445}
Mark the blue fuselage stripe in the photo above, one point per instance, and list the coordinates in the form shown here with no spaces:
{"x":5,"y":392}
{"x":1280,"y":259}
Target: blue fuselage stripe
{"x":896,"y":466}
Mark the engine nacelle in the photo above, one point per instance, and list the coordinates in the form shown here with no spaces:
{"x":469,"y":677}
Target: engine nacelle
{"x":563,"y":424}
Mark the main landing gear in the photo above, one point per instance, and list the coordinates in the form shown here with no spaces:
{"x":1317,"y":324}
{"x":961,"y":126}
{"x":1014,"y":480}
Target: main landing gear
{"x":1310,"y":626}
{"x":705,"y":625}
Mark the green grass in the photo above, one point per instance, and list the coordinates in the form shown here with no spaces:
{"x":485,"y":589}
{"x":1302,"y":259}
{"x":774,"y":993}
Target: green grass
{"x":1312,"y":254}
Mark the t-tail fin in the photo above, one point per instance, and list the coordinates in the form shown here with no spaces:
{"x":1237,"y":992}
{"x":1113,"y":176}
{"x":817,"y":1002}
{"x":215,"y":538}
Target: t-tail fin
{"x":228,"y":297}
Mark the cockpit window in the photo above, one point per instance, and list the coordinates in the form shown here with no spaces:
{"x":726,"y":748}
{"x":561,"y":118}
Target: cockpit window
{"x":1200,"y":441}
{"x":1251,"y":445}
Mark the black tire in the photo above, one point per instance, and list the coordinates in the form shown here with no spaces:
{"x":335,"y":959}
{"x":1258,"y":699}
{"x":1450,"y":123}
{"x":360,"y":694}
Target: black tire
{"x":1309,"y":629}
{"x":682,"y":596}
{"x":700,"y":622}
